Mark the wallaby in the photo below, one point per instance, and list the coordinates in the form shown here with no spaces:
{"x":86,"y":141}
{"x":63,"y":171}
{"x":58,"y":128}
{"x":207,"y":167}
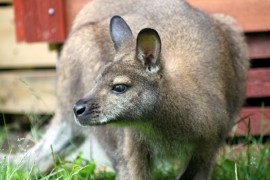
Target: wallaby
{"x":157,"y":78}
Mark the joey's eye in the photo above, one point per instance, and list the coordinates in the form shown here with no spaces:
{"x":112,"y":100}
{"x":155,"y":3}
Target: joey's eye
{"x":119,"y":88}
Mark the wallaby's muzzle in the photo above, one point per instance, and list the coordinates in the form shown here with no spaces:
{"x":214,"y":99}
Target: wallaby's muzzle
{"x":79,"y":109}
{"x":86,"y":112}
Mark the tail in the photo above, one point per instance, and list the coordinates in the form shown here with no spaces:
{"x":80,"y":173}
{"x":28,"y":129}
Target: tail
{"x":238,"y":48}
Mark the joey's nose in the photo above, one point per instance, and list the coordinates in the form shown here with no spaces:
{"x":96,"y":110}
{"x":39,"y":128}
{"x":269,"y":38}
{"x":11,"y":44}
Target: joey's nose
{"x":79,"y":109}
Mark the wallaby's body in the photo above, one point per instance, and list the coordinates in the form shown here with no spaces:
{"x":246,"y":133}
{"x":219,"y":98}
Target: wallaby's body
{"x":170,"y":91}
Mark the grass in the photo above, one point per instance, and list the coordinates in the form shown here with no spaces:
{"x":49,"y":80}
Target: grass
{"x":10,"y":172}
{"x":249,"y":160}
{"x":78,"y":169}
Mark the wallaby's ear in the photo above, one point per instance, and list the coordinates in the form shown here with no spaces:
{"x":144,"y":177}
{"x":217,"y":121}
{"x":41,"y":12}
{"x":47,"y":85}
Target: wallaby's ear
{"x":148,"y":48}
{"x":119,"y":30}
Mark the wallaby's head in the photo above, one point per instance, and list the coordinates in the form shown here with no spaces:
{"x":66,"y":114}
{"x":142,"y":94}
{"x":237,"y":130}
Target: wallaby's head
{"x":128,"y":87}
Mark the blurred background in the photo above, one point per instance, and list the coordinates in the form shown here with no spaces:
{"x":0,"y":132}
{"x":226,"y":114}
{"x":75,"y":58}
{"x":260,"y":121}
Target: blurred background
{"x":33,"y":31}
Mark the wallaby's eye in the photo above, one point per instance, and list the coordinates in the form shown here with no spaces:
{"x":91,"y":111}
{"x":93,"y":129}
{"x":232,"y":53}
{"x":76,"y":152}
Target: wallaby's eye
{"x":119,"y":88}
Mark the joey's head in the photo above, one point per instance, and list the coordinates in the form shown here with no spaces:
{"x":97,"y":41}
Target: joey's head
{"x":127,"y":89}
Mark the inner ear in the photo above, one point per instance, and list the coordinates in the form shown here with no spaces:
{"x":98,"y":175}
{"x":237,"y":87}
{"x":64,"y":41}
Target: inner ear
{"x":119,"y":31}
{"x":148,"y":48}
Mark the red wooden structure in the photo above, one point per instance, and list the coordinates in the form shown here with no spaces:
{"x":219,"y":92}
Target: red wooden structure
{"x":39,"y":20}
{"x":50,"y":21}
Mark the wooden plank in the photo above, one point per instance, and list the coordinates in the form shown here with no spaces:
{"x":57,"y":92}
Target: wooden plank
{"x":14,"y":55}
{"x":252,"y":15}
{"x":259,"y":121}
{"x":19,"y":20}
{"x":258,"y":45}
{"x":28,"y":91}
{"x":48,"y":19}
{"x":258,"y":84}
{"x":43,"y":20}
{"x":6,"y":1}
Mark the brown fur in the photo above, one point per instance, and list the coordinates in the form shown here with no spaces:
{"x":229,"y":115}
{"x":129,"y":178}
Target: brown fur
{"x":183,"y":107}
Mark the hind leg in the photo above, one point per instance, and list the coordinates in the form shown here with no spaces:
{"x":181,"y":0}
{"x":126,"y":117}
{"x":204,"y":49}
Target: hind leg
{"x":200,"y":165}
{"x":197,"y":169}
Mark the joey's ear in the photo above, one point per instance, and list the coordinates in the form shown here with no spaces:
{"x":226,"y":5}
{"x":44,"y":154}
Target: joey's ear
{"x":119,"y":30}
{"x":148,"y":49}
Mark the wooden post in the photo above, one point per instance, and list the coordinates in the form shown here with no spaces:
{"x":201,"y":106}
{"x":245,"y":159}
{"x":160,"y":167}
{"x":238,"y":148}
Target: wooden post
{"x":40,"y":20}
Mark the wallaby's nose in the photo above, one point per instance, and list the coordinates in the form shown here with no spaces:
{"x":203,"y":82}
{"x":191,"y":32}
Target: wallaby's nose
{"x":79,"y":109}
